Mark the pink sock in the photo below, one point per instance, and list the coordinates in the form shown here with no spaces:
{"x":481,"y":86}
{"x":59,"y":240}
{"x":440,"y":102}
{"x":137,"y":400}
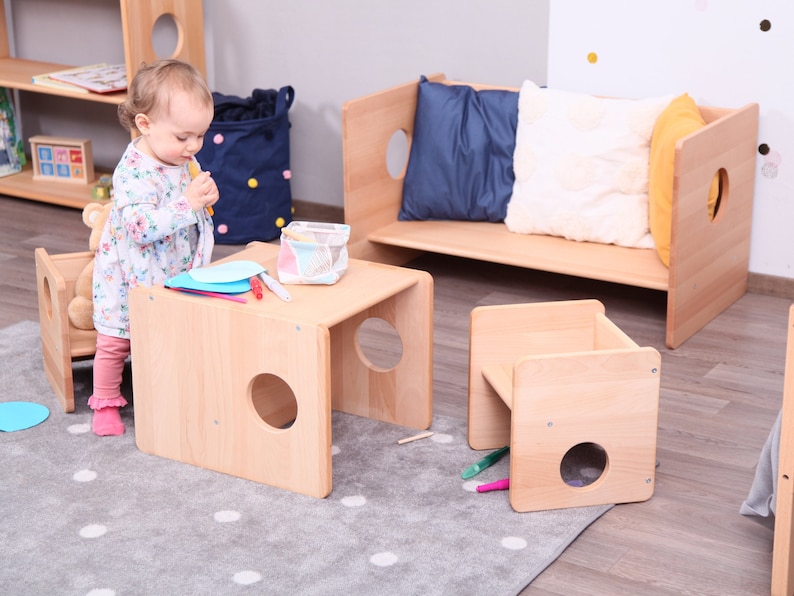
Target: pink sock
{"x":107,"y":422}
{"x":106,"y":400}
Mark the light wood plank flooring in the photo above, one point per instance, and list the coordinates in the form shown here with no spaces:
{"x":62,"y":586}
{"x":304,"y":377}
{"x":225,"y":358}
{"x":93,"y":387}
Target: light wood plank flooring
{"x":720,"y":394}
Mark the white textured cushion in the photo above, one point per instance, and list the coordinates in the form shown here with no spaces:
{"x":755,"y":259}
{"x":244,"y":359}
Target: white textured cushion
{"x":581,"y":166}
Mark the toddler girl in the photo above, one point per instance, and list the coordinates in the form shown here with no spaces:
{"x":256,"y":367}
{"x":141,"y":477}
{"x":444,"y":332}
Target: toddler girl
{"x":159,"y":225}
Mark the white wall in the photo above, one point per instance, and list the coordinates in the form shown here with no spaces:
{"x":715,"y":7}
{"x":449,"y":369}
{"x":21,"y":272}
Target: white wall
{"x":334,"y":51}
{"x":328,"y":52}
{"x":713,"y":50}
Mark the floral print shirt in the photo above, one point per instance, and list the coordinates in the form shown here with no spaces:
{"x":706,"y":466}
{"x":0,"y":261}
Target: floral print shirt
{"x":151,"y":234}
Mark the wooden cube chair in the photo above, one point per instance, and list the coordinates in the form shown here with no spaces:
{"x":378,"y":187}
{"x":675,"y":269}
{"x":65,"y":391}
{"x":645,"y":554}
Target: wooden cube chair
{"x":545,"y":378}
{"x":61,"y":342}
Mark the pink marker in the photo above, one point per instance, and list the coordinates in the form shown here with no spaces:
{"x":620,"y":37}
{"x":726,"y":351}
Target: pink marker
{"x":503,"y":484}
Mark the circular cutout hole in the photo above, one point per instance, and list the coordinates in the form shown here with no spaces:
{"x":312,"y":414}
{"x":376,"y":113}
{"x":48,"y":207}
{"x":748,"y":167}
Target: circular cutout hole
{"x":48,"y":298}
{"x":722,"y":194}
{"x":397,"y":154}
{"x":166,"y":36}
{"x":274,"y":401}
{"x":379,"y":345}
{"x":583,"y":464}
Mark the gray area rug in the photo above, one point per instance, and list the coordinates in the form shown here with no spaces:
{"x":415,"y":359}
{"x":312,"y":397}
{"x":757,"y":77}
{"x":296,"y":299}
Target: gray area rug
{"x":94,"y":515}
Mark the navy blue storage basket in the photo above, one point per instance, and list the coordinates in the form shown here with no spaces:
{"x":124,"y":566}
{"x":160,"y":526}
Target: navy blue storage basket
{"x":247,"y":151}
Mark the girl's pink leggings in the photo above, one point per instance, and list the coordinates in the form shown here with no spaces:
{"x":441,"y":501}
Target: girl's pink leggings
{"x":111,"y":352}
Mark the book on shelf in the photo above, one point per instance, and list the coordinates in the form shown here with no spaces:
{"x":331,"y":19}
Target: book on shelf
{"x":47,"y":81}
{"x":99,"y":78}
{"x":12,"y":152}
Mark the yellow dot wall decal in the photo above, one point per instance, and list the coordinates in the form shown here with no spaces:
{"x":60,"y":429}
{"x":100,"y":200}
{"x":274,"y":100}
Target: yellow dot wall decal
{"x":592,"y":57}
{"x":280,"y":222}
{"x":253,"y":183}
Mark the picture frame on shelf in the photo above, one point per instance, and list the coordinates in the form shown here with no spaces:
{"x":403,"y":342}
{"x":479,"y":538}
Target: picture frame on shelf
{"x":62,"y":159}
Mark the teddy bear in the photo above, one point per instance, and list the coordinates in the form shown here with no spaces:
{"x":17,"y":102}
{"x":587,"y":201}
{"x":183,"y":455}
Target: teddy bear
{"x":81,"y":307}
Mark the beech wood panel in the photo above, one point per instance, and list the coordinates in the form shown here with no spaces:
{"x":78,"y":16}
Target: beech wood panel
{"x":783,"y":555}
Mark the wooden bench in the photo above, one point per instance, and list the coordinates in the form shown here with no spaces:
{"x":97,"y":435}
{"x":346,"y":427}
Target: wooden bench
{"x":709,"y":260}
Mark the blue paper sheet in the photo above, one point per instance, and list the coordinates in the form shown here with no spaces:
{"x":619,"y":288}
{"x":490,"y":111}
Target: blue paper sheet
{"x":227,"y":272}
{"x":184,"y":280}
{"x":19,"y":415}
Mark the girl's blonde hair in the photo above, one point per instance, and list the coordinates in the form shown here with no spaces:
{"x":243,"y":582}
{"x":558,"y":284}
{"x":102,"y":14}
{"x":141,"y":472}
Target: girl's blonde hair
{"x":151,"y":89}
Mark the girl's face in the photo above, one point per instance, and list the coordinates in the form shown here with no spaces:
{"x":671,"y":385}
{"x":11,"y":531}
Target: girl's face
{"x":175,"y":135}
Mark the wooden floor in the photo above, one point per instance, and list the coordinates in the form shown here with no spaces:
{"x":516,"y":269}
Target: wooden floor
{"x":721,"y":392}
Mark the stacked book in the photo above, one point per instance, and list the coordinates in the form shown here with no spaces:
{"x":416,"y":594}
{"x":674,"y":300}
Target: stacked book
{"x":96,"y":78}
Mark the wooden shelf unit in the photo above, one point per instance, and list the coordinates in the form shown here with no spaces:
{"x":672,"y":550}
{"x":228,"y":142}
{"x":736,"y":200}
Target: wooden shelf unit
{"x":138,"y":18}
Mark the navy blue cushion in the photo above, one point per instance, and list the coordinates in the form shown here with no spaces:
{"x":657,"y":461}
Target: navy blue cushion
{"x":460,"y":165}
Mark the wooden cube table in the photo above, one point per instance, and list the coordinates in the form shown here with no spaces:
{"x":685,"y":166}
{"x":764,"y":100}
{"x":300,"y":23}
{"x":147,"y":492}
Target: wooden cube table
{"x":248,"y":389}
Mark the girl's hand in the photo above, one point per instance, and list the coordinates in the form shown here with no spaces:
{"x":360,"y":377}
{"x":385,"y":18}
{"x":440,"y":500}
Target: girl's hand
{"x":202,"y":192}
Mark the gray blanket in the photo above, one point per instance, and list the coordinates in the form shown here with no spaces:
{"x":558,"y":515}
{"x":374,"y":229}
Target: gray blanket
{"x":760,"y":502}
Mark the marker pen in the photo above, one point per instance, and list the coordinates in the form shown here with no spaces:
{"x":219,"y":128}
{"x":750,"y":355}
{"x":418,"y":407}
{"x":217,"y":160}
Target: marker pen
{"x":256,"y":287}
{"x":503,"y":484}
{"x":275,"y":287}
{"x":485,"y":462}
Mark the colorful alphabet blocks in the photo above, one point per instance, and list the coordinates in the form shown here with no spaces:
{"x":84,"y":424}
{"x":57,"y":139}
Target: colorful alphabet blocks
{"x":61,"y":159}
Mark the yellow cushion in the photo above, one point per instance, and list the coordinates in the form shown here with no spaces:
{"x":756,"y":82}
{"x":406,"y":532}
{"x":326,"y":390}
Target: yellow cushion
{"x":680,"y":118}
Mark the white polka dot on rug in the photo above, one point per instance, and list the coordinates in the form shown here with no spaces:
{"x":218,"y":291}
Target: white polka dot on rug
{"x":246,"y":578}
{"x":386,"y":559}
{"x":101,"y":592}
{"x":514,"y":543}
{"x":84,"y":476}
{"x":93,"y":531}
{"x":471,"y":486}
{"x":335,"y":450}
{"x":78,"y":429}
{"x":226,"y":516}
{"x":441,"y":438}
{"x":354,"y":501}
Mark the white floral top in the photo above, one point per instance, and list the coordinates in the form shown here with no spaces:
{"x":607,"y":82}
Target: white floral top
{"x":151,"y":234}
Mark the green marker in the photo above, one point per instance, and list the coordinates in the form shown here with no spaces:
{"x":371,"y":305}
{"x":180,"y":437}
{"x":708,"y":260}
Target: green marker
{"x":485,"y":462}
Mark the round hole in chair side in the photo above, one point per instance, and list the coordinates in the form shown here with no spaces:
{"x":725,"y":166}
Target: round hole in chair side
{"x":397,"y":154}
{"x":583,"y":464}
{"x":379,"y":344}
{"x":722,"y":195}
{"x":47,"y":297}
{"x":274,"y":401}
{"x":167,"y":36}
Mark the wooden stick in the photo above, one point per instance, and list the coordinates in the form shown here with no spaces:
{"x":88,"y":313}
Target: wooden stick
{"x":415,"y":437}
{"x":296,"y":235}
